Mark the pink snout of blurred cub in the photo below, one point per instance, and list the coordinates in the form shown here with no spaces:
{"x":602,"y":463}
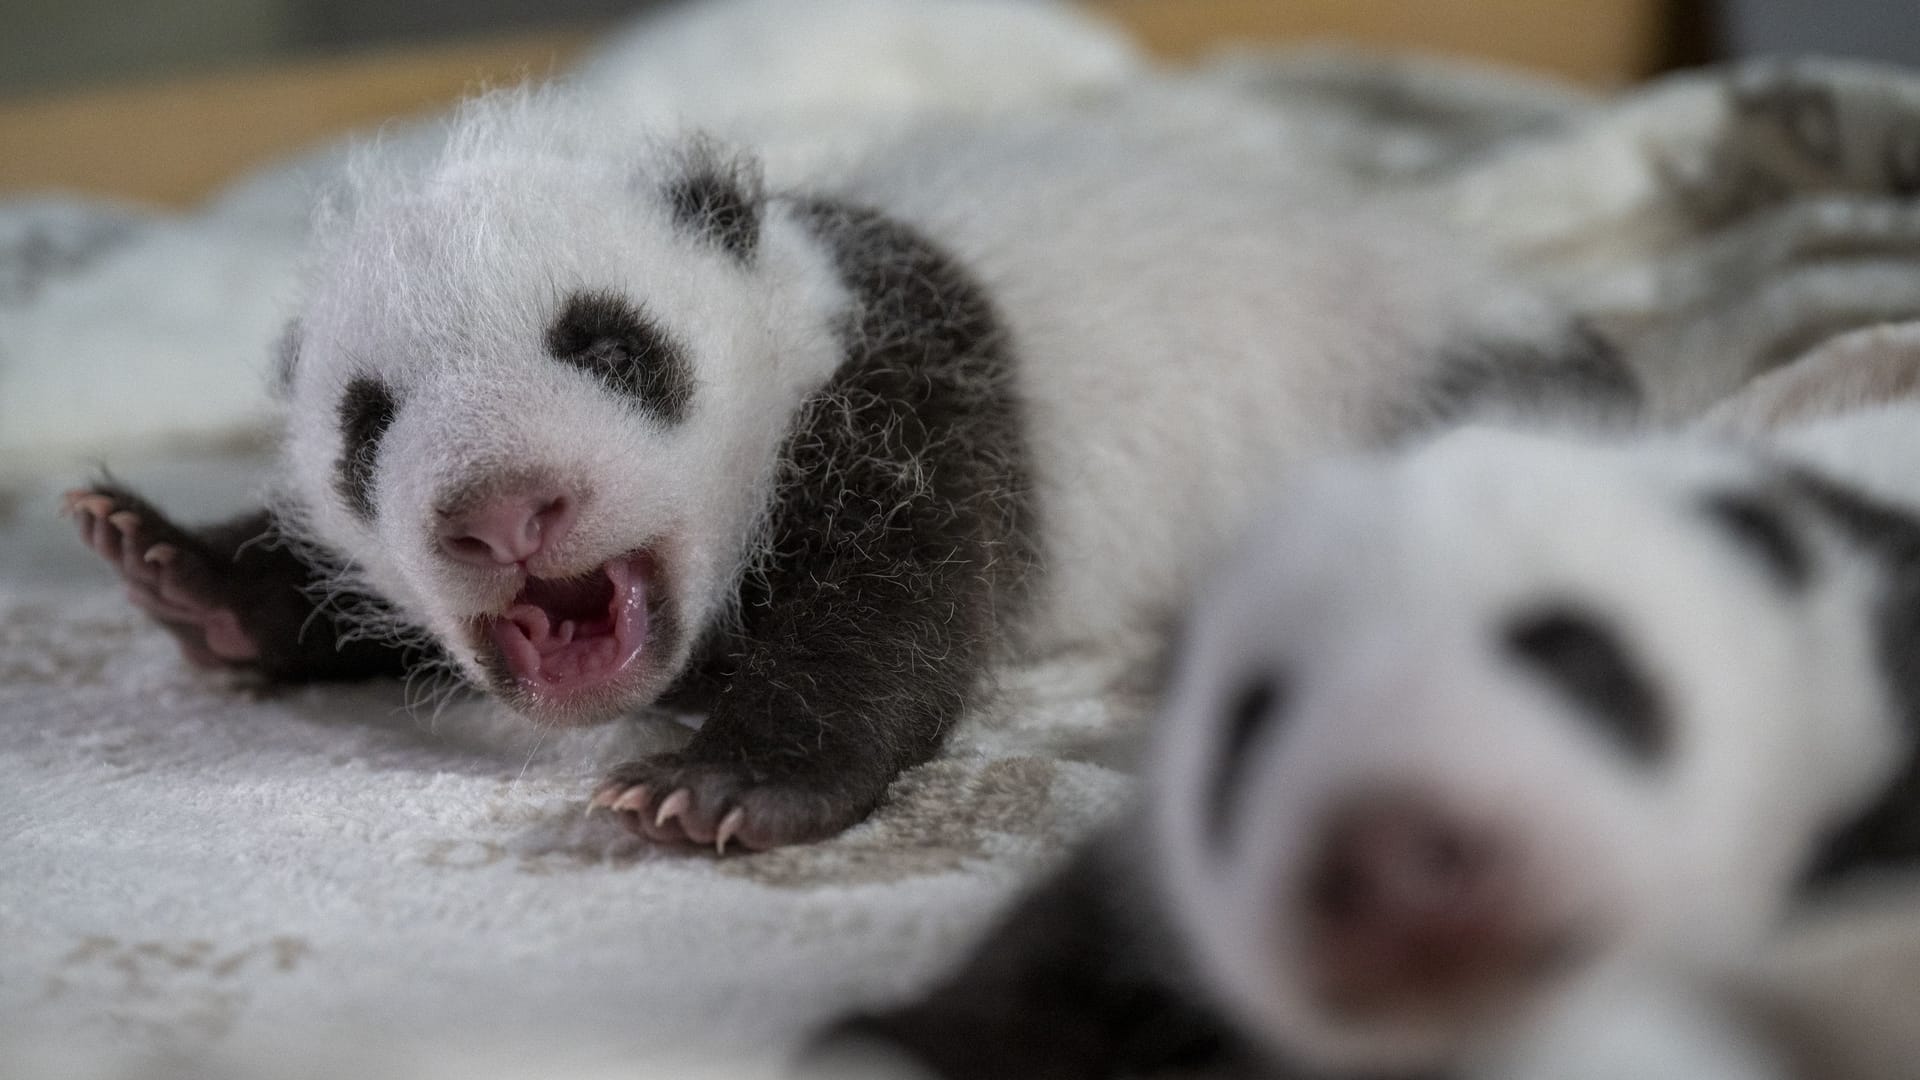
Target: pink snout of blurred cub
{"x":1412,"y":909}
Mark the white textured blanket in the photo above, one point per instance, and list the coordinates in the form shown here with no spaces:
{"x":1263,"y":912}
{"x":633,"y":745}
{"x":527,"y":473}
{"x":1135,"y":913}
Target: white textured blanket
{"x":199,"y":880}
{"x":187,"y":870}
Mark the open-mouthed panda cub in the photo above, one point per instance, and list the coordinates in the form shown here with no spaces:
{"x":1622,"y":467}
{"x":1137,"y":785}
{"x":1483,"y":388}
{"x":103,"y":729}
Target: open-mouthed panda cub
{"x":1464,"y":731}
{"x":607,"y":422}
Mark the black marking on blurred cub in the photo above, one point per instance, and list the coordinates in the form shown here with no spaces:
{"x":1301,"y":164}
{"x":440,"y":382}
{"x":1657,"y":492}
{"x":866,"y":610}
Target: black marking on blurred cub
{"x":366,"y":412}
{"x":1249,"y":713}
{"x":605,"y":335}
{"x":1083,"y":979}
{"x":1885,"y":834}
{"x":1759,"y":526}
{"x":718,"y":200}
{"x":1079,"y":981}
{"x":1577,"y":371}
{"x":1583,"y":658}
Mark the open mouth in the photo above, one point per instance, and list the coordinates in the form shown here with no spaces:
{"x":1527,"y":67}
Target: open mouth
{"x":567,"y":636}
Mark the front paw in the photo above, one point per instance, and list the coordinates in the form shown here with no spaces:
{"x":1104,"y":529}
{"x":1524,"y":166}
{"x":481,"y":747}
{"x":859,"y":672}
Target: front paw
{"x":680,"y":800}
{"x":166,"y":574}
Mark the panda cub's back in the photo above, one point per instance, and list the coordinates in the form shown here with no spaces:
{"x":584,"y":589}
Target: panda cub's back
{"x":1190,"y":308}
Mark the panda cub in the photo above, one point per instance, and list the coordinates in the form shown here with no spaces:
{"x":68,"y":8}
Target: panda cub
{"x":605,"y":422}
{"x":1465,"y":733}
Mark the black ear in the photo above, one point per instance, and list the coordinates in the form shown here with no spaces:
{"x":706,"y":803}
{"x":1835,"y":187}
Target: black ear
{"x":1764,"y":530}
{"x":718,"y":196}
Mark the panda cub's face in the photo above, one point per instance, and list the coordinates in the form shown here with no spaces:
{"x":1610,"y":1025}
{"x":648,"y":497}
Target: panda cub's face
{"x":535,"y":402}
{"x":1459,"y":726}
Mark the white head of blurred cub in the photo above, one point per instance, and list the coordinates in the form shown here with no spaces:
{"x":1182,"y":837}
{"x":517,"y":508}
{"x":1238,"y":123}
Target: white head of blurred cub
{"x":1459,"y":727}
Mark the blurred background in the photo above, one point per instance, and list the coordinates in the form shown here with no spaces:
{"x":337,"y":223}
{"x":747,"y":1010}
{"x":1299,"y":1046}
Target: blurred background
{"x":161,"y":100}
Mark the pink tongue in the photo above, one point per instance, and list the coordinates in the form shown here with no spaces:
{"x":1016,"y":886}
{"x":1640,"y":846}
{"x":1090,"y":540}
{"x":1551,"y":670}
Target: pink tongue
{"x":559,"y":652}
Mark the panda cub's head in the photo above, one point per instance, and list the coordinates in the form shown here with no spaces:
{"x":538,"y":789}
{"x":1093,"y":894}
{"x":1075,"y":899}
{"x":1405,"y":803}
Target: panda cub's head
{"x":1458,"y":727}
{"x":536,"y":391}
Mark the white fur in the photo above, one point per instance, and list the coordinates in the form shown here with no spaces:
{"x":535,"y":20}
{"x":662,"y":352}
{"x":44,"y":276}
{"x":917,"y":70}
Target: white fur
{"x":1646,"y":1029}
{"x":1193,"y":312}
{"x":1378,"y":592}
{"x":757,"y":70}
{"x":1187,"y":314}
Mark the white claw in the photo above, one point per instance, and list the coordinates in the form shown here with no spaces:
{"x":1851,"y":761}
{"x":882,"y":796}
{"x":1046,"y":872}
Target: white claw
{"x":600,"y":801}
{"x":675,"y":805}
{"x":160,"y":554}
{"x":634,"y":799}
{"x":729,"y":826}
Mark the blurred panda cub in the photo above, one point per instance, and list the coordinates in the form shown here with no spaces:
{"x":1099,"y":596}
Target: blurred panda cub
{"x":1463,"y":739}
{"x":607,"y":422}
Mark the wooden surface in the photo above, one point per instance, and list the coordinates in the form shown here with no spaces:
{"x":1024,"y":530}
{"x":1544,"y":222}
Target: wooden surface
{"x":172,"y":143}
{"x":1599,"y":42}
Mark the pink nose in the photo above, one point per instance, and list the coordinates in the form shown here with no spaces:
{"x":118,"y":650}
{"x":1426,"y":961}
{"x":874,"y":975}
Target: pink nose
{"x":1411,"y":908}
{"x":505,"y":529}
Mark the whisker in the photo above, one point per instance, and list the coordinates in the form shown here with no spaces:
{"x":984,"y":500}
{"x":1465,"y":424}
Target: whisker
{"x":538,"y":739}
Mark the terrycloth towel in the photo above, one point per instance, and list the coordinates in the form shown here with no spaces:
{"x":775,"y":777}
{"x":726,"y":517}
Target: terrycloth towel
{"x":196,"y":879}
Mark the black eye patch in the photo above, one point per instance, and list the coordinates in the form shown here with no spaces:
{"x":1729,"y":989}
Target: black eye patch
{"x":1582,"y":658}
{"x":1761,"y":529}
{"x":366,"y":412}
{"x":1252,"y":710}
{"x":605,"y":335}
